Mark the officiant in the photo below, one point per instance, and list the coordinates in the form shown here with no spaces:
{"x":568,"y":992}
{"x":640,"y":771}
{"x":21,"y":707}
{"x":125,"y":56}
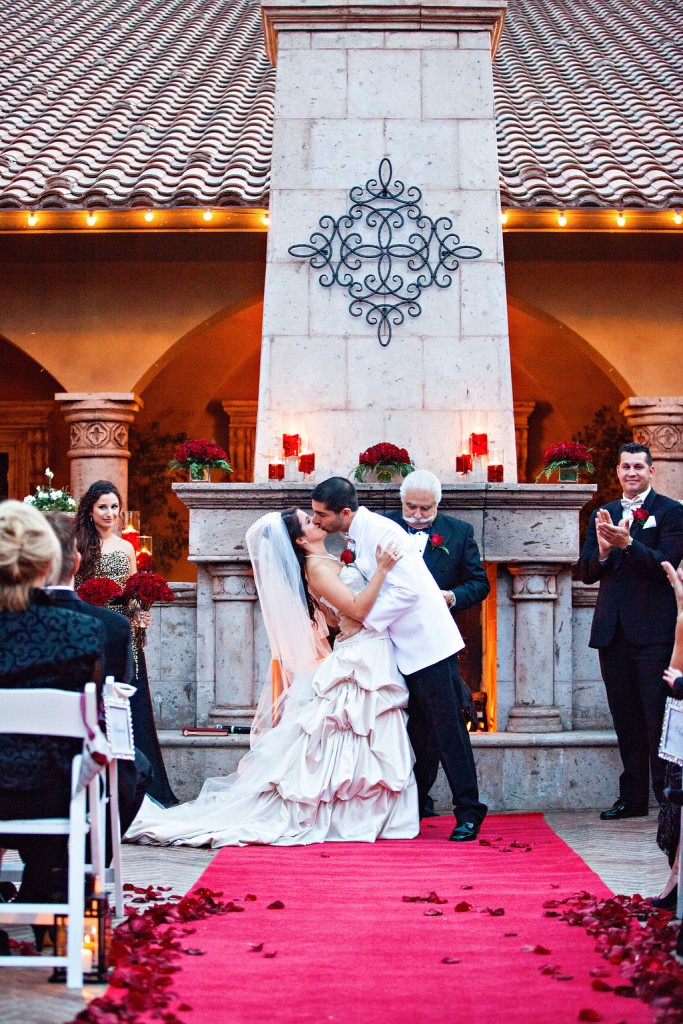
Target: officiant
{"x":450,"y":553}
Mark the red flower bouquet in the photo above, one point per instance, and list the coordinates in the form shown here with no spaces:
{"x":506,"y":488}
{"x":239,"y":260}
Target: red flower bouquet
{"x":99,"y":591}
{"x":567,"y":454}
{"x":198,"y":454}
{"x":146,"y":589}
{"x":385,"y":460}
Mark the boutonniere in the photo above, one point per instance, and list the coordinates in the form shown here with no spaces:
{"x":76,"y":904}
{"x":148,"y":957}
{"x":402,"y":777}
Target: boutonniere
{"x":347,"y":556}
{"x":436,"y":540}
{"x":640,"y":516}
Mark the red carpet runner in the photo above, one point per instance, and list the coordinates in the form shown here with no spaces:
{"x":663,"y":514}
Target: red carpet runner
{"x":347,"y":947}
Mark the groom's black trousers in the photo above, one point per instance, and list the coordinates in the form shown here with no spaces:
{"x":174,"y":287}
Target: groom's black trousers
{"x":435,"y":717}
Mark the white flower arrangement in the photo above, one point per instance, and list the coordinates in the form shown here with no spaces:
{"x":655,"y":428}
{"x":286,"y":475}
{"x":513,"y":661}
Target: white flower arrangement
{"x":48,"y":499}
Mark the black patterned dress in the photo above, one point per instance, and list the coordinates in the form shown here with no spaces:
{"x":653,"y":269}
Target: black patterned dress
{"x":115,"y":566}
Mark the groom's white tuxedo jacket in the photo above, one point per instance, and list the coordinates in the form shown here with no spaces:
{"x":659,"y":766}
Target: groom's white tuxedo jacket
{"x":410,"y":605}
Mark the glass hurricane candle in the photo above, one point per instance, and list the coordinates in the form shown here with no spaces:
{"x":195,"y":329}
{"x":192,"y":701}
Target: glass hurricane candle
{"x":479,"y":444}
{"x":463,"y":463}
{"x":144,"y":555}
{"x":131,"y":528}
{"x":291,"y":444}
{"x":276,"y":470}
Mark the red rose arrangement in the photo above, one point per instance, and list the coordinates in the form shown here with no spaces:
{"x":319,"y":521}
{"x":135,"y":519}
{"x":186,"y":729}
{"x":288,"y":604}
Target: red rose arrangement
{"x":99,"y":591}
{"x":144,"y":561}
{"x":640,"y":516}
{"x":436,"y":540}
{"x":347,"y":556}
{"x":567,"y":453}
{"x":146,"y":589}
{"x":386,"y":460}
{"x":197,"y":453}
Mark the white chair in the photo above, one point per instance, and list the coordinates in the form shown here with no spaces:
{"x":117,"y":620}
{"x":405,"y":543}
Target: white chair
{"x":58,"y":713}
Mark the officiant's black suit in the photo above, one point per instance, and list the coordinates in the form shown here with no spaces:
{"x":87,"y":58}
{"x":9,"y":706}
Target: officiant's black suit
{"x":633,"y":630}
{"x":455,"y":565}
{"x":134,"y":777}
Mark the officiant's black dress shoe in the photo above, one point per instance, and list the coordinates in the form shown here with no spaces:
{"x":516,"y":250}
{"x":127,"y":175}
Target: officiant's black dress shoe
{"x":465,"y":832}
{"x":623,"y":809}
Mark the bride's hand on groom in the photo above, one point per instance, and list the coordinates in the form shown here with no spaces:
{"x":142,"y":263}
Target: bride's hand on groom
{"x":348,"y":627}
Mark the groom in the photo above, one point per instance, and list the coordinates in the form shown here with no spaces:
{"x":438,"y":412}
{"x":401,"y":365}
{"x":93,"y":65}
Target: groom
{"x":411,"y":608}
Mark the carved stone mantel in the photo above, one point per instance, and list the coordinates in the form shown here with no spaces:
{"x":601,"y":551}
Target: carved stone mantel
{"x":532,"y":529}
{"x":658,"y":423}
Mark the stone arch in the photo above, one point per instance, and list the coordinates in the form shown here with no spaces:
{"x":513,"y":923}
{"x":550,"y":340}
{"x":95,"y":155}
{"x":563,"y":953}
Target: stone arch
{"x":562,"y":373}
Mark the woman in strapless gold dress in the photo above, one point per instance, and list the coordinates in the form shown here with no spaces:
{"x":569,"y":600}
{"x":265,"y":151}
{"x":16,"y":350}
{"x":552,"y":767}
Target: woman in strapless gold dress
{"x":104,"y":553}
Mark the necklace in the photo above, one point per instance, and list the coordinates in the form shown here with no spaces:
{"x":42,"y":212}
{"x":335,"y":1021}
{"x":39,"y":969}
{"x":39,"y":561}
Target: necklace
{"x":323,"y":556}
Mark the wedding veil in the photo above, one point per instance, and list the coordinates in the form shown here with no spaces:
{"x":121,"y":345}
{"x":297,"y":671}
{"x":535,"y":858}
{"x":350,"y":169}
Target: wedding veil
{"x":296,"y":647}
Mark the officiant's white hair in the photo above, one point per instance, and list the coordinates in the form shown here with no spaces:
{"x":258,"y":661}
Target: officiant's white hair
{"x":422,"y":480}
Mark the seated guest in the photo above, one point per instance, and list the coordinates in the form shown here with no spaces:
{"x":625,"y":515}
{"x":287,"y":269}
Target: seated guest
{"x":40,"y":646}
{"x":117,"y":660}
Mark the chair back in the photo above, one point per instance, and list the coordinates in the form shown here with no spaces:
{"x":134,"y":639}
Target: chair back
{"x":44,"y":712}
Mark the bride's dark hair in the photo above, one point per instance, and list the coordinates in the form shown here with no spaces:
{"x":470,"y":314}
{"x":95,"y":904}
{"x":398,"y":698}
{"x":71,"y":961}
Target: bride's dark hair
{"x":87,"y":538}
{"x":292,"y":523}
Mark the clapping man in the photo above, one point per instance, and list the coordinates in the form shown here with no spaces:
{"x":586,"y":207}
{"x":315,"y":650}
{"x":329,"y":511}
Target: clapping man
{"x":634,"y":619}
{"x":451,"y":554}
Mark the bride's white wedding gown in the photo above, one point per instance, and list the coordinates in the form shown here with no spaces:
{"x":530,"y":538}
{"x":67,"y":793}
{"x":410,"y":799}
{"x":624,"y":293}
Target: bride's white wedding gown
{"x":337,"y":767}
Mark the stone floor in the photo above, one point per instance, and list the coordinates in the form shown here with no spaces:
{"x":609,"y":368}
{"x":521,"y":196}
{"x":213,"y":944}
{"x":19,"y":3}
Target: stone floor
{"x":624,"y":854}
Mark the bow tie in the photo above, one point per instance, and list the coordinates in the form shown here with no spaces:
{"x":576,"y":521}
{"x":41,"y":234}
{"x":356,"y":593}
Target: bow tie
{"x":411,"y":529}
{"x":628,"y":504}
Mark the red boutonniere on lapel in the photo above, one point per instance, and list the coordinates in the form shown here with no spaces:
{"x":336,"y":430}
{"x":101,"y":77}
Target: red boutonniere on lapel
{"x":640,"y":516}
{"x":347,"y":556}
{"x":436,"y":540}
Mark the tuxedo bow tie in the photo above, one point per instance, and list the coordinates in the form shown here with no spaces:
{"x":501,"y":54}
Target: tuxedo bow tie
{"x":629,"y":504}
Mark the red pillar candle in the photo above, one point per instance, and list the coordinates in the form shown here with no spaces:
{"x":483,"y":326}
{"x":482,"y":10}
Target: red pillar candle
{"x":276,"y":471}
{"x":291,"y":444}
{"x":479,"y":444}
{"x":495,"y":473}
{"x":307,"y":462}
{"x":463,"y":463}
{"x":132,"y":535}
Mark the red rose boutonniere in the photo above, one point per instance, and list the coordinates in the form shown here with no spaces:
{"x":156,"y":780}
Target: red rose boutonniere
{"x":347,"y":556}
{"x":640,"y":516}
{"x":436,"y":540}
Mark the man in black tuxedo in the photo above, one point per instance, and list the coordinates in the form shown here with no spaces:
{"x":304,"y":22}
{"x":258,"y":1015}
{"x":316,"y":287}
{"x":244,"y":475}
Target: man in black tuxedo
{"x":451,"y":554}
{"x":134,"y":777}
{"x":634,"y":620}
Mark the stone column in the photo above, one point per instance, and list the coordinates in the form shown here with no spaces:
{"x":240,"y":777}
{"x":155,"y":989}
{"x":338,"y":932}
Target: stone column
{"x":242,"y":435}
{"x":359,"y":83}
{"x":99,"y":437}
{"x":658,"y":423}
{"x":534,"y":591}
{"x":522,"y":412}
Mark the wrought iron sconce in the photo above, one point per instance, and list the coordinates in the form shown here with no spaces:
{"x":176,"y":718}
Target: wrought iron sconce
{"x":409,"y":251}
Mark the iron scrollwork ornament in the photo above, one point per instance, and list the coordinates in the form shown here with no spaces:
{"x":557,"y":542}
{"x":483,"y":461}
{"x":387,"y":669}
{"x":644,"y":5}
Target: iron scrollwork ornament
{"x":409,"y":251}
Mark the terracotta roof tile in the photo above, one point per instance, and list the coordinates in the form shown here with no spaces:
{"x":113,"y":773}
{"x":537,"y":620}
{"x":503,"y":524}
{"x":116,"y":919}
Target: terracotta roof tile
{"x":120,"y":103}
{"x":588,"y":103}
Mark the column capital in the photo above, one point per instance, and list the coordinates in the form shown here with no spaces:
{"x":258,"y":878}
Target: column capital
{"x":99,"y":422}
{"x":658,"y":423}
{"x":392,"y":15}
{"x":534,"y":581}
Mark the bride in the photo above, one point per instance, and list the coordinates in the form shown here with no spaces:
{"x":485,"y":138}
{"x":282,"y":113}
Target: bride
{"x":330,"y":757}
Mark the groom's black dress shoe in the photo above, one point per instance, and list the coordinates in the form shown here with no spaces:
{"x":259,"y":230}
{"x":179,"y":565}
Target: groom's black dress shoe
{"x":623,"y":809}
{"x":465,"y":831}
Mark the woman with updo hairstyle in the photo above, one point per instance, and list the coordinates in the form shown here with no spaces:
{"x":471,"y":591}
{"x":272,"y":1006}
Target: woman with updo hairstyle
{"x":41,"y":646}
{"x":105,"y":554}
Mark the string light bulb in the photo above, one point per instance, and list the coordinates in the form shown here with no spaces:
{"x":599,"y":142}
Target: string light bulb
{"x":149,"y":216}
{"x":504,"y":217}
{"x":678,"y":217}
{"x":621,"y":220}
{"x":562,"y":219}
{"x":265,"y":219}
{"x":32,"y":219}
{"x":207,"y":215}
{"x":91,"y":220}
